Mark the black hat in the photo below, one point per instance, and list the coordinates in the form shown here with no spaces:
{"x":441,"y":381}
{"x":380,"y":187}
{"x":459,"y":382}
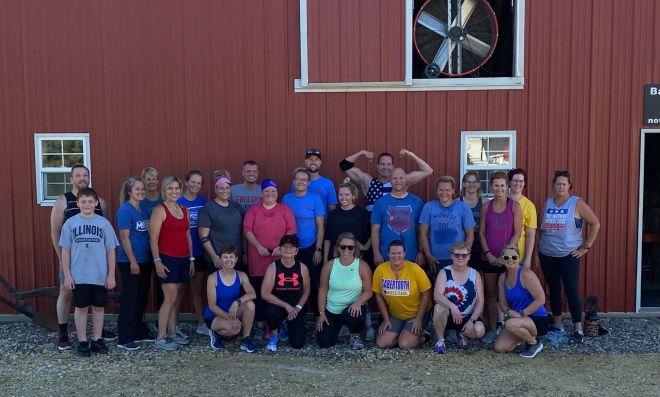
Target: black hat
{"x":290,"y":239}
{"x":312,"y":152}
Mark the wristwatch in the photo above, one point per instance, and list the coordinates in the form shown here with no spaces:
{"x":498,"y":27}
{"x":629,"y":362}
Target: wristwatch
{"x":473,"y":321}
{"x":319,"y":249}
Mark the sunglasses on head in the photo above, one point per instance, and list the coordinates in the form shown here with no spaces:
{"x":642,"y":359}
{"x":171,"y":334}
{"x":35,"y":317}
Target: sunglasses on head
{"x":313,"y":152}
{"x":510,"y":257}
{"x":346,"y":247}
{"x":462,"y":256}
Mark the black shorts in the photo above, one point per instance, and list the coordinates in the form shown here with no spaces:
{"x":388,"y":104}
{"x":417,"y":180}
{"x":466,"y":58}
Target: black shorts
{"x":542,"y":324}
{"x":451,"y":325}
{"x":485,"y":267}
{"x":204,"y":266}
{"x":90,"y":295}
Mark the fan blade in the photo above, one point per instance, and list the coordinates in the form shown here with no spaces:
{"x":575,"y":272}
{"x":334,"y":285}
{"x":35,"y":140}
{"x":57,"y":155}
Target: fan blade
{"x":467,"y":9}
{"x":442,"y":55}
{"x":432,"y":23}
{"x":475,"y":46}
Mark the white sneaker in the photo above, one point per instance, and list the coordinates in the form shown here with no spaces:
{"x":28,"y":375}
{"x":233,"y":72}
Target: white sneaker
{"x":202,"y":329}
{"x":181,"y":334}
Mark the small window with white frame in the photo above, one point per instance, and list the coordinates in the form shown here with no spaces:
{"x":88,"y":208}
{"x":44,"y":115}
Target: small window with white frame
{"x":486,"y":152}
{"x":55,"y":154}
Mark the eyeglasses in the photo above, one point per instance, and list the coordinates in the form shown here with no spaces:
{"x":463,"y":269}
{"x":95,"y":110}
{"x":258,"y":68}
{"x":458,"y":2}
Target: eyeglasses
{"x":346,"y":247}
{"x":460,"y":256}
{"x":312,"y":152}
{"x":301,"y":179}
{"x":510,"y":257}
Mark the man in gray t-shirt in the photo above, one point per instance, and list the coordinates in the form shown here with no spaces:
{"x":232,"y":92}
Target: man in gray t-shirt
{"x":247,"y":193}
{"x":88,"y":239}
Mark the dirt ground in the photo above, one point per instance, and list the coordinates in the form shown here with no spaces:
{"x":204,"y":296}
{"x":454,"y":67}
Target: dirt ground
{"x":240,"y":374}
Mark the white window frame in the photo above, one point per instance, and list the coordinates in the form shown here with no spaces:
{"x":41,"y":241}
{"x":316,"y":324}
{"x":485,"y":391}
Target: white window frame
{"x":517,"y":82}
{"x":487,"y":167}
{"x":40,"y":170}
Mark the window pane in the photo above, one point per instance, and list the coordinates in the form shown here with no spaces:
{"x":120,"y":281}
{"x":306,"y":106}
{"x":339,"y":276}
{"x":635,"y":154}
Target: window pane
{"x":51,"y":146}
{"x":51,"y":160}
{"x":72,"y":159}
{"x":75,"y":146}
{"x":497,"y":150}
{"x":56,"y":184}
{"x":476,"y":151}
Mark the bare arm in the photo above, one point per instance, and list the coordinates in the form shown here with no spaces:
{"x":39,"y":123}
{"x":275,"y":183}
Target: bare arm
{"x":469,"y":237}
{"x":367,"y":278}
{"x":382,"y":307}
{"x":501,"y":298}
{"x":530,"y":239}
{"x":250,"y":294}
{"x":585,"y":212}
{"x":362,"y":178}
{"x":424,"y":169}
{"x":531,"y":283}
{"x":375,"y":243}
{"x":206,"y":244}
{"x":426,"y":246}
{"x":56,"y":222}
{"x":536,"y":262}
{"x":155,"y":223}
{"x":66,"y":268}
{"x":111,"y":257}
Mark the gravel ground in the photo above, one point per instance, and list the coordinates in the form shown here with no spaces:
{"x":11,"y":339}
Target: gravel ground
{"x":627,"y":361}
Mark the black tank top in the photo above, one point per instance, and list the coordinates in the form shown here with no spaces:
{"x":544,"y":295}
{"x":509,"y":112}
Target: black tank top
{"x":72,"y":206}
{"x":288,"y":284}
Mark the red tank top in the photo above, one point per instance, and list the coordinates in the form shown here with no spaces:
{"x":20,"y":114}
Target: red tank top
{"x":173,"y":239}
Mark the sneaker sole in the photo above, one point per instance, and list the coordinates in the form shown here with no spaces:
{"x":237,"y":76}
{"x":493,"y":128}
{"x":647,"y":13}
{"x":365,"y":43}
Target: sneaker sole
{"x":63,"y":348}
{"x":245,"y":349}
{"x":130,"y":349}
{"x":535,"y":352}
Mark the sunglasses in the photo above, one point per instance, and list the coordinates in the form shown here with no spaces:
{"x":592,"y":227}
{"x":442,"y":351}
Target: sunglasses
{"x":510,"y":257}
{"x":346,"y":247}
{"x":313,"y":152}
{"x":461,"y":256}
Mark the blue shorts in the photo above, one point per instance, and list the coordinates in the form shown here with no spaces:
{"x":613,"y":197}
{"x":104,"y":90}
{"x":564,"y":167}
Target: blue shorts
{"x":179,"y":270}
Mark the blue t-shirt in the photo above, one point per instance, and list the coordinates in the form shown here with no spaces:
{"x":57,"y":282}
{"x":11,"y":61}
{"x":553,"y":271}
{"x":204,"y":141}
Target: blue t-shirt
{"x":325,"y":189}
{"x":446,"y":225}
{"x":149,"y":205}
{"x":137,"y":223}
{"x":305,"y":209}
{"x":193,"y":210}
{"x":398,"y":219}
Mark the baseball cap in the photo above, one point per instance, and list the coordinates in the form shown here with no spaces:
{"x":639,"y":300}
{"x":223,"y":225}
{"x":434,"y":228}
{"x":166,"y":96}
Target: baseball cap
{"x":312,"y":152}
{"x":290,"y":239}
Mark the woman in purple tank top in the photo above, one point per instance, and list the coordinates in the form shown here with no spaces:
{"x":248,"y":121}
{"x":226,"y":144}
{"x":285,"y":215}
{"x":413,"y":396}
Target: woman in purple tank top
{"x":500,"y":224}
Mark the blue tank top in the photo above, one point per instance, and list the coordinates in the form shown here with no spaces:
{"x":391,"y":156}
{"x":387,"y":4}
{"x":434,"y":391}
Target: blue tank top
{"x":561,"y":232}
{"x":519,"y":297}
{"x":462,"y":295}
{"x":225,"y":295}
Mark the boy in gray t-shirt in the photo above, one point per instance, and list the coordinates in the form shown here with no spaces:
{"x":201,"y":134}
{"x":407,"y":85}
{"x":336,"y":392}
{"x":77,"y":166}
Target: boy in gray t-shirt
{"x":88,"y":244}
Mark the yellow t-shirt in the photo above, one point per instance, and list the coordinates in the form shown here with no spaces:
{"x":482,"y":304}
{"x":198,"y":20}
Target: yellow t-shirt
{"x":403,"y":295}
{"x":528,"y":220}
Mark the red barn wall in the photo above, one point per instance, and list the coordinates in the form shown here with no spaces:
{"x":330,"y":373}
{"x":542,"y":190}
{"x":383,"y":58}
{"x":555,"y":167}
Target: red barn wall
{"x":209,"y":83}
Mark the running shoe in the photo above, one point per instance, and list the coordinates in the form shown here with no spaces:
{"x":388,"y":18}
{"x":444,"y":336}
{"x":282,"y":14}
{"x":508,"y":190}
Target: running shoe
{"x":130,"y":346}
{"x":272,"y":343}
{"x":63,"y":342}
{"x":356,"y":343}
{"x":178,"y":339}
{"x":217,"y":341}
{"x":98,"y":346}
{"x":180,"y":333}
{"x":461,"y":341}
{"x":440,"y":347}
{"x":83,"y":349}
{"x":248,"y":345}
{"x":202,"y":329}
{"x":108,"y":336}
{"x":578,"y":336}
{"x":532,"y":350}
{"x":145,"y":339}
{"x":166,"y":344}
{"x":370,"y":334}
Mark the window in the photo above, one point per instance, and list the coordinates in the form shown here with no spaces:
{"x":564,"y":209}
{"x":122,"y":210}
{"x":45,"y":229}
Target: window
{"x":55,"y":154}
{"x":487,"y":152}
{"x":410,"y":45}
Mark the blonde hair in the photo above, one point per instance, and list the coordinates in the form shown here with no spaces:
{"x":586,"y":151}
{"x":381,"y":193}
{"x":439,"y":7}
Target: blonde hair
{"x":217,"y":174}
{"x":149,"y":171}
{"x":167,"y":181}
{"x":348,"y":236}
{"x":127,"y":187}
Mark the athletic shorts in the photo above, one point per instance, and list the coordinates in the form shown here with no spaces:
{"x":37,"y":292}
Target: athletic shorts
{"x":90,"y":295}
{"x":541,"y":323}
{"x":451,"y":325}
{"x":399,"y":325}
{"x":485,"y":267}
{"x":179,"y":270}
{"x":204,"y":266}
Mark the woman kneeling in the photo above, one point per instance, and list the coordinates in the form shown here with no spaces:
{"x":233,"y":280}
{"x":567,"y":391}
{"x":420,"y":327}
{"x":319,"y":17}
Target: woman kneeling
{"x":521,"y":299}
{"x":403,"y":295}
{"x":459,"y":297}
{"x":229,"y":312}
{"x":344,"y":291}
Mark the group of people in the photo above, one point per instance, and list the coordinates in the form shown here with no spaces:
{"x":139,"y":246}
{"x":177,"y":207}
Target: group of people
{"x":462,"y":262}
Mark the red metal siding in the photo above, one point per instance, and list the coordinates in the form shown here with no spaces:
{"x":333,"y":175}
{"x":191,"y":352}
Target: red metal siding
{"x":208,"y":84}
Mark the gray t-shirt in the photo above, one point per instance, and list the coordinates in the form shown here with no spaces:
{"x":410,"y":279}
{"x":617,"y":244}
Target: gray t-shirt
{"x":225,"y":225}
{"x":245,"y":197}
{"x":89,"y":240}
